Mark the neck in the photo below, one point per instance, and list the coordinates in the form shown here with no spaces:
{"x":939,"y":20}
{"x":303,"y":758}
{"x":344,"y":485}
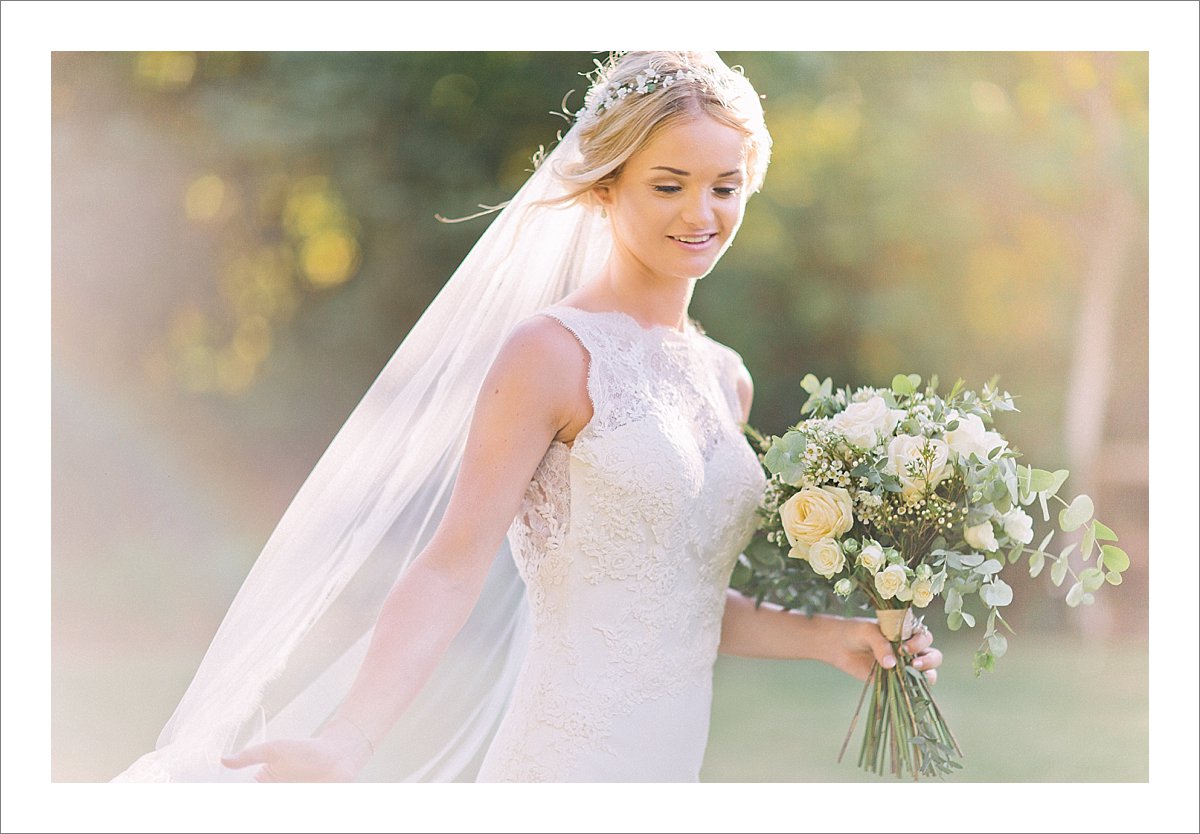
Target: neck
{"x":651,"y":299}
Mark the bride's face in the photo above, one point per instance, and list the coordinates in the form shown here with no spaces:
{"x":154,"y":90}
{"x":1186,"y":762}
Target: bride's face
{"x":680,"y":199}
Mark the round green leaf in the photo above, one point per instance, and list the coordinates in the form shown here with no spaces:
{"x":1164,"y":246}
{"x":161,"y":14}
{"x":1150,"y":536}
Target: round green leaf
{"x":1076,"y":515}
{"x":998,"y":644}
{"x":1103,"y":533}
{"x":954,"y":620}
{"x":996,"y":594}
{"x":1115,"y":559}
{"x":903,"y":384}
{"x":1092,"y":579}
{"x":1113,"y":578}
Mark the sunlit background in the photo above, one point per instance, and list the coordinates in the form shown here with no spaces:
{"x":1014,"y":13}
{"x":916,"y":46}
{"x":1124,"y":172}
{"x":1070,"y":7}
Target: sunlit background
{"x":240,"y":240}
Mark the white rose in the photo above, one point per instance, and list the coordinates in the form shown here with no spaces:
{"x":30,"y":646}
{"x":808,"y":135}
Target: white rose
{"x":864,"y":423}
{"x":922,"y":592}
{"x":815,"y":513}
{"x":982,"y":537}
{"x":907,"y":448}
{"x":826,"y":558}
{"x":891,"y":581}
{"x":872,"y":558}
{"x":843,"y":587}
{"x":1018,"y":525}
{"x":971,"y":436}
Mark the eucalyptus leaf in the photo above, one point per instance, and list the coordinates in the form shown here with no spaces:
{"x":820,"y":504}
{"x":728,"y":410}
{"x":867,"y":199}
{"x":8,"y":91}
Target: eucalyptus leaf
{"x":1077,"y":514}
{"x":1115,"y":559}
{"x":996,"y":594}
{"x":989,"y":567}
{"x":998,"y":645}
{"x":1075,"y":595}
{"x":954,"y":620}
{"x":1103,"y":533}
{"x":1015,"y":553}
{"x":1089,"y":542}
{"x":1036,"y":562}
{"x":1046,"y":540}
{"x":1113,"y":578}
{"x":1058,"y":572}
{"x":1034,"y":480}
{"x":1059,"y":478}
{"x":810,"y":383}
{"x":1087,"y":598}
{"x":902,"y":385}
{"x":1091,"y":579}
{"x":971,"y":560}
{"x":967,"y":618}
{"x":953,"y":601}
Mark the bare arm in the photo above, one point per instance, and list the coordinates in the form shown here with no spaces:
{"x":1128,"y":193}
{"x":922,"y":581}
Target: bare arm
{"x":528,"y":396}
{"x":849,"y":644}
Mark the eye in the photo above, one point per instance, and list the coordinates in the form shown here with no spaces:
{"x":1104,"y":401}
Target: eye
{"x":727,"y":190}
{"x":667,"y":189}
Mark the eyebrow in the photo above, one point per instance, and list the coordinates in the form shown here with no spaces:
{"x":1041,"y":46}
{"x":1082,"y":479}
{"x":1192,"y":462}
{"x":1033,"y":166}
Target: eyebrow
{"x":679,"y":173}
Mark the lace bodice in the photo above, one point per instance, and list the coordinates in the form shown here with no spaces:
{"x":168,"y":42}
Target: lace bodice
{"x":625,"y":541}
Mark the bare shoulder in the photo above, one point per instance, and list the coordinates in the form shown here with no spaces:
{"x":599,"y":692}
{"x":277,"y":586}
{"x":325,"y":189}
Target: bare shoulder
{"x":540,"y":347}
{"x":540,"y":374}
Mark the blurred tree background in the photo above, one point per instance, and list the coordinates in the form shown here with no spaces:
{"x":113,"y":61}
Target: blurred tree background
{"x":240,"y":240}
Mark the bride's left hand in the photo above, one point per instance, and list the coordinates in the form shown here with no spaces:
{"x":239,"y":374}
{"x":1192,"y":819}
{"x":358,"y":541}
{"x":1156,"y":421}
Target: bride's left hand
{"x":862,"y":645}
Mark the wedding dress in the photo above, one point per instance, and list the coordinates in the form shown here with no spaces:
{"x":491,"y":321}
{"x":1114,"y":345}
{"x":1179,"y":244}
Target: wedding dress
{"x":625,"y":541}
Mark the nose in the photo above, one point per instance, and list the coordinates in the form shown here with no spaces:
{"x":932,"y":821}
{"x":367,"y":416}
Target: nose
{"x":699,"y":210}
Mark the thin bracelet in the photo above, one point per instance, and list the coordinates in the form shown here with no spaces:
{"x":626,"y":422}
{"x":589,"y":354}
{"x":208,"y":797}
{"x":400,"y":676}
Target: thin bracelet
{"x":361,"y":731}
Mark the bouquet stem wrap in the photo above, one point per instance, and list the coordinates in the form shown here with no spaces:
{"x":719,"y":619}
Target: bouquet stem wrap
{"x":904,"y":732}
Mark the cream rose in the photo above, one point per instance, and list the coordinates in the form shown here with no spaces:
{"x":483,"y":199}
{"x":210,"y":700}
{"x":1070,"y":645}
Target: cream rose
{"x":843,"y":587}
{"x":872,"y":558}
{"x":971,"y":436}
{"x":826,"y":558}
{"x":982,"y":537}
{"x":891,"y":581}
{"x":815,"y":513}
{"x":865,"y":423}
{"x":1018,"y":526}
{"x":905,"y":449}
{"x":922,"y":592}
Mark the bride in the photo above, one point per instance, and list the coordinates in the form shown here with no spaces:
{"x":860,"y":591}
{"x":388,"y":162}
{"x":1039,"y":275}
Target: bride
{"x":512,"y":563}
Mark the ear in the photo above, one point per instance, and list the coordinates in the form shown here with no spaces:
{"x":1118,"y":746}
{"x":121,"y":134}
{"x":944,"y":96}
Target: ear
{"x":602,"y":194}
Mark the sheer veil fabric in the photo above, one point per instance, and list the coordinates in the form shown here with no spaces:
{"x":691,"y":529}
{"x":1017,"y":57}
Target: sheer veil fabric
{"x":298,"y":628}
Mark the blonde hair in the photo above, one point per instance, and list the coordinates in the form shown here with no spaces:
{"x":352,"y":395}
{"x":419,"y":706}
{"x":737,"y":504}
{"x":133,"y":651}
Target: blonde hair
{"x":610,"y":133}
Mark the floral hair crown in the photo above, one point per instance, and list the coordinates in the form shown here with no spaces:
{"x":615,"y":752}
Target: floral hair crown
{"x":643,"y":83}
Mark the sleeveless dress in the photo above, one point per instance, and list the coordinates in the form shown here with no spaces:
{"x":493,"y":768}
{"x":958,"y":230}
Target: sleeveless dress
{"x":625,"y":541}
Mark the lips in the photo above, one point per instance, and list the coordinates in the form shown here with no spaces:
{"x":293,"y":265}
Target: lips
{"x":693,"y":240}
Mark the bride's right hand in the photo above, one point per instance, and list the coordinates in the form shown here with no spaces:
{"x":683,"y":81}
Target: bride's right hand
{"x":337,"y":754}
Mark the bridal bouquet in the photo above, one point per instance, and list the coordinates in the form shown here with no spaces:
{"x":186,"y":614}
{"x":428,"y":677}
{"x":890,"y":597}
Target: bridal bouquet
{"x":891,"y":498}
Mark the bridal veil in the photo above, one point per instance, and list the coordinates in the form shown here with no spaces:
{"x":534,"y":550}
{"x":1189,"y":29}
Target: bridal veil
{"x":291,"y":643}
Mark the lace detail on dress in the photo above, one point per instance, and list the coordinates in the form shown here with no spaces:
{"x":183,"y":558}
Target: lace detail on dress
{"x":626,"y":541}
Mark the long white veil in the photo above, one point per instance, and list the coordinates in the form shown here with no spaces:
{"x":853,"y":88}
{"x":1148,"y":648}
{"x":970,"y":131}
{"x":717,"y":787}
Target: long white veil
{"x":297,"y":630}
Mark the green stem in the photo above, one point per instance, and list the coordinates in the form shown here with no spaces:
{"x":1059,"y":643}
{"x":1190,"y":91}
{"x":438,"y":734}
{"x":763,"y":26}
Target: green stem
{"x":857,"y":709}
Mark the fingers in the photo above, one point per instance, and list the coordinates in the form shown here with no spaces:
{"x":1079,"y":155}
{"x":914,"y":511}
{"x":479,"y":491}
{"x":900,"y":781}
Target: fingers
{"x":880,"y":647}
{"x":921,"y":640}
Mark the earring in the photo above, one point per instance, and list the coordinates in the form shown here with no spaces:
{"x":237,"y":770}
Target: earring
{"x":603,"y":214}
